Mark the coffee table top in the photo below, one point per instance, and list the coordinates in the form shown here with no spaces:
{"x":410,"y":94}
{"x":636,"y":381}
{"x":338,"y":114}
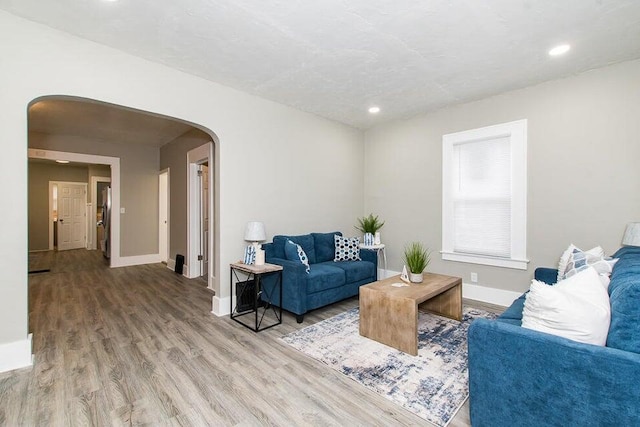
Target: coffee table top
{"x":432,"y":285}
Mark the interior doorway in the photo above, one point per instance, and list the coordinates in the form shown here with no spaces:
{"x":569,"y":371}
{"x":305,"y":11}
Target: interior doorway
{"x":200,"y":219}
{"x":97,"y":185}
{"x":163,"y":215}
{"x":114,"y":164}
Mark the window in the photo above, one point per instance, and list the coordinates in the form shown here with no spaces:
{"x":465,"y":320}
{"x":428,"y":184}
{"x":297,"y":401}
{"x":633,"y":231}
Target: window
{"x":485,"y":195}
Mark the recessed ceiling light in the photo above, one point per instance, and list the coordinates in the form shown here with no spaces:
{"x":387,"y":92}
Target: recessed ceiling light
{"x":559,"y":50}
{"x":374,"y":110}
{"x":62,"y":161}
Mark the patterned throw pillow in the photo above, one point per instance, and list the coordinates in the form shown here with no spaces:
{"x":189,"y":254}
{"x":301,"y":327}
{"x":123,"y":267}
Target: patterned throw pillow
{"x":294,"y":252}
{"x":347,"y":248}
{"x":575,"y":260}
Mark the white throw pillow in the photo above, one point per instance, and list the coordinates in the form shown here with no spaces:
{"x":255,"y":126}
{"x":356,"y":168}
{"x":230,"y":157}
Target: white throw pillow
{"x":576,"y":308}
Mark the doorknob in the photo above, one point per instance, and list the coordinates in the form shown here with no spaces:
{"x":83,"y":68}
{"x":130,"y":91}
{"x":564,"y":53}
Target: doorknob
{"x":61,"y":220}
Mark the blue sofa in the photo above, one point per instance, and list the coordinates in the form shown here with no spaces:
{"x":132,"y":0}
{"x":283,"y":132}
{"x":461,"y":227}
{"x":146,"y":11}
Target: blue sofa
{"x":523,"y":377}
{"x":327,"y":281}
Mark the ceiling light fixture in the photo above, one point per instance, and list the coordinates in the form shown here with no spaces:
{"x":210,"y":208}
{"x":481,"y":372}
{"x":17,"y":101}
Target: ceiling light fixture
{"x":559,"y":50}
{"x":374,"y":110}
{"x":62,"y":161}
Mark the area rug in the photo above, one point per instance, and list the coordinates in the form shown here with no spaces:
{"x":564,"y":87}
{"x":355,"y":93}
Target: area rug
{"x":432,"y":385}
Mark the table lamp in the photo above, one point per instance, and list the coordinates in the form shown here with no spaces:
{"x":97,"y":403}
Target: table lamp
{"x":255,"y":233}
{"x":632,"y":234}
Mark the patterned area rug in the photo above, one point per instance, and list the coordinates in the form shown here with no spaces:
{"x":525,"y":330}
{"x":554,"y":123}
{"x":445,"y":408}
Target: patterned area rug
{"x":432,"y":385}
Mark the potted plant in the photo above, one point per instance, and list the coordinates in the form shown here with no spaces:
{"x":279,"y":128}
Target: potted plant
{"x":370,"y":225}
{"x":416,"y":258}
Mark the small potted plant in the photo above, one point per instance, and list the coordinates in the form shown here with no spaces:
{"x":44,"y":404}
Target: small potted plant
{"x":416,"y":258}
{"x":370,"y":225}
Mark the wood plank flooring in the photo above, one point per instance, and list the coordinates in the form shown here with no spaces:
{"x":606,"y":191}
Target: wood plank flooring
{"x":139,"y":345}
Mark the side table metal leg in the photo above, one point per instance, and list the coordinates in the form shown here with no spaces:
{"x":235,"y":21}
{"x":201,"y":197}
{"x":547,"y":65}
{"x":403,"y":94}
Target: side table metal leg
{"x":384,"y":257}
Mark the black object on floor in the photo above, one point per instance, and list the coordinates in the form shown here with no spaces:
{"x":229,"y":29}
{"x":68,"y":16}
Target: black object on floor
{"x":44,"y":270}
{"x":245,"y":295}
{"x":179,"y":263}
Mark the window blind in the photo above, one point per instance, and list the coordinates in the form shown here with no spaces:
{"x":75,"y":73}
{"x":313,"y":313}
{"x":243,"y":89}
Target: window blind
{"x":482,"y":197}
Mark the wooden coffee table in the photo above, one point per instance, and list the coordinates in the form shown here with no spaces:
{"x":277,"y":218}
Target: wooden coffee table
{"x":390,"y":315}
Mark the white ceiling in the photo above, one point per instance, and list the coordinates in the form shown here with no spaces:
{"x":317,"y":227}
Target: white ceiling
{"x":103,"y":122}
{"x":335,"y":58}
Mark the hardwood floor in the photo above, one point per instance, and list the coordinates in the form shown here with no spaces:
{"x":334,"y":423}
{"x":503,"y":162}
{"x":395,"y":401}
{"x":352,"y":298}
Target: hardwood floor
{"x":139,"y":345}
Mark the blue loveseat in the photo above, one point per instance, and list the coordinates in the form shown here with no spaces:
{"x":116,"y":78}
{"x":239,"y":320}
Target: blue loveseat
{"x":522,"y":377}
{"x":327,"y":281}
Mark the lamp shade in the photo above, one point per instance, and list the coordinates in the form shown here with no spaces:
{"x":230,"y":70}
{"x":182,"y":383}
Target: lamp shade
{"x":632,"y":234}
{"x":255,"y":232}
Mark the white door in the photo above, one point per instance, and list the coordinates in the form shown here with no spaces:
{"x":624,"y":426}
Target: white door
{"x":204,"y":218}
{"x":163,"y":216}
{"x":72,"y":200}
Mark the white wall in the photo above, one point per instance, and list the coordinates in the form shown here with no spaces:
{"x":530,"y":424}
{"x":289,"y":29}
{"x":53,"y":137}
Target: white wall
{"x":583,"y":177}
{"x":292,"y":170}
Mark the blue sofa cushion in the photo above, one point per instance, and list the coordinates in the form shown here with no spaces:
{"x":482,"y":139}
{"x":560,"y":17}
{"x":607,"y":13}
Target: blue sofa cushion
{"x":355,"y":270}
{"x":305,"y":240}
{"x":323,"y":277}
{"x":325,"y":246}
{"x":294,"y":252}
{"x":624,"y":295}
{"x":513,"y":314}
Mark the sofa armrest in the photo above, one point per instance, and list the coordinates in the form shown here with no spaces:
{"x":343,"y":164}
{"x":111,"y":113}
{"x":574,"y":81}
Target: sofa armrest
{"x":546,"y":275}
{"x":522,"y":377}
{"x":294,"y":285}
{"x":370,"y":255}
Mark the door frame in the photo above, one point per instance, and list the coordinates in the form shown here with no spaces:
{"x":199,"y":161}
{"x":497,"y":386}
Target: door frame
{"x":165,"y":257}
{"x":114,"y":163}
{"x":195,"y":157}
{"x":94,"y":207}
{"x":50,"y":216}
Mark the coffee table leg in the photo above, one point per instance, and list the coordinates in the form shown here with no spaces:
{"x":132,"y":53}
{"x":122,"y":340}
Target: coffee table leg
{"x":391,"y":321}
{"x":447,"y":304}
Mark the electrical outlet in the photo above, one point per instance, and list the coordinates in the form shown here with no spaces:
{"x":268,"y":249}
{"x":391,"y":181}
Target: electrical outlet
{"x":474,"y":277}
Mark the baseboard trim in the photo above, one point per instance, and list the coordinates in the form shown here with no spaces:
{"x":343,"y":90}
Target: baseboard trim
{"x":491,"y":295}
{"x":16,"y":355}
{"x":127,"y":261}
{"x":486,"y":294}
{"x":221,"y":306}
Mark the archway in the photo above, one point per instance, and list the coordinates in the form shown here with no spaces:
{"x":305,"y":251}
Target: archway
{"x":75,"y":128}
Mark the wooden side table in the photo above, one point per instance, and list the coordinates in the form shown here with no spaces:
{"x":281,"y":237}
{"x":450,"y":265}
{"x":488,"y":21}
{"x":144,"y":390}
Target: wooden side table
{"x":253,"y":274}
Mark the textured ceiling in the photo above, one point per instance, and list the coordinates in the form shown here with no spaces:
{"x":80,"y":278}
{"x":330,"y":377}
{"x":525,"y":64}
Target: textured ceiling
{"x":103,"y":122}
{"x":335,"y":58}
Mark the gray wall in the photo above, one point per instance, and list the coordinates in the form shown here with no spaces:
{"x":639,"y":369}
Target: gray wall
{"x":174,"y":157}
{"x":39,"y":176}
{"x":583,"y":177}
{"x":97,"y":170}
{"x":139,"y":185}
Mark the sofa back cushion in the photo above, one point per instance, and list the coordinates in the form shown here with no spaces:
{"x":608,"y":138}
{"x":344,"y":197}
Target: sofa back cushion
{"x":624,"y":294}
{"x":325,"y":246}
{"x":305,"y":241}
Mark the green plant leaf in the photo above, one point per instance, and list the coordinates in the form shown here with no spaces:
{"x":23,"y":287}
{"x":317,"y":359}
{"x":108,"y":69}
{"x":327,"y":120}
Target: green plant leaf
{"x":369,"y":224}
{"x":416,"y":257}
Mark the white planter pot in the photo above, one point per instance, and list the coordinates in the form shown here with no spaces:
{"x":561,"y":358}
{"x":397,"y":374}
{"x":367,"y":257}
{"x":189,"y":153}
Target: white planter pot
{"x":416,"y":277}
{"x":368,"y":239}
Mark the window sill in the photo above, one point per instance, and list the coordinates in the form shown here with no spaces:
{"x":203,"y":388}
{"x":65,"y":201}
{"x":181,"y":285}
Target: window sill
{"x":518,"y":264}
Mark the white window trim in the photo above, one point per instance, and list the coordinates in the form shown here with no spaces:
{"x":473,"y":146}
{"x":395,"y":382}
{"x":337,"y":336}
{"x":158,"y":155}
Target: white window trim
{"x":516,"y":131}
